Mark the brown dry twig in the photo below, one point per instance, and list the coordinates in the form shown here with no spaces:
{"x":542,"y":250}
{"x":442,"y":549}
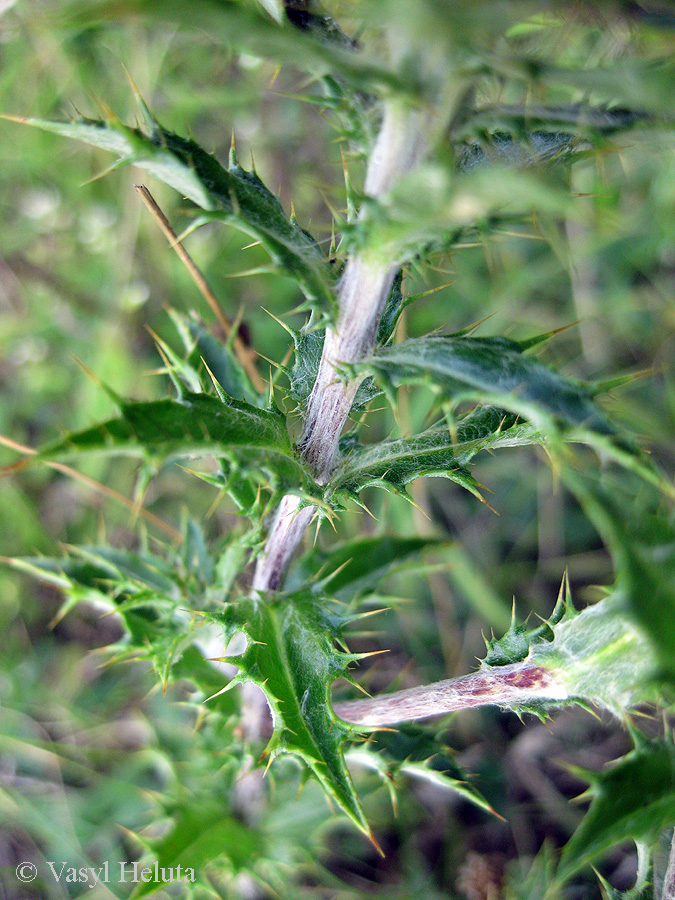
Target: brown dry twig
{"x":244,"y":354}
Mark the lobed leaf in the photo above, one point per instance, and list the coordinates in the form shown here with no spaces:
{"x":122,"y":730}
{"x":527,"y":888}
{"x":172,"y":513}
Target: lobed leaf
{"x":597,"y":656}
{"x":356,"y":567}
{"x":192,"y":426}
{"x":438,"y":451}
{"x":634,"y":799}
{"x":230,"y":194}
{"x":416,"y":752}
{"x":291,"y":656}
{"x":153,"y":596}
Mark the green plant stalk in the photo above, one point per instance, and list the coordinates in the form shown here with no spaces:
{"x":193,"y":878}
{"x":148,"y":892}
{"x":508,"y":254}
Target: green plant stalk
{"x":362,"y":294}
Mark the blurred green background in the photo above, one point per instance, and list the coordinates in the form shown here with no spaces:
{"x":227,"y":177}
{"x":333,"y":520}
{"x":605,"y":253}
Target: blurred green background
{"x":89,"y":750}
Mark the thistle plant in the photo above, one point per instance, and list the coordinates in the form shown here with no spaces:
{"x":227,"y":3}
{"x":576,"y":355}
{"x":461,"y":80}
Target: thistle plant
{"x":411,"y":98}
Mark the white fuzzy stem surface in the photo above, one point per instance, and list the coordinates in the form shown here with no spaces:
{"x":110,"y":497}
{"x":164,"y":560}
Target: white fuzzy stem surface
{"x":362,"y":294}
{"x":512,"y":685}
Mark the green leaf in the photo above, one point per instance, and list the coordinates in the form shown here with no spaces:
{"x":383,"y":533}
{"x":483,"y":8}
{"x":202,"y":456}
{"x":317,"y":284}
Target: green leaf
{"x":435,"y":206}
{"x":154,"y":597}
{"x":643,"y":550}
{"x":192,"y":426}
{"x":394,"y":464}
{"x":415,"y":751}
{"x":291,"y":655}
{"x":438,"y":451}
{"x":356,"y":567}
{"x":245,"y":28}
{"x":517,"y":643}
{"x":538,"y":147}
{"x":635,"y":799}
{"x":231,"y":195}
{"x":222,"y":364}
{"x":522,"y":120}
{"x":536,"y":884}
{"x":203,"y":833}
{"x":492,"y":369}
{"x":596,"y":656}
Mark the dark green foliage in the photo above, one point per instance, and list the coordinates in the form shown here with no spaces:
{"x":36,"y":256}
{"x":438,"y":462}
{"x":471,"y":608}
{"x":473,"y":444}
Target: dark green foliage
{"x":634,"y":799}
{"x":290,"y":655}
{"x":492,"y":369}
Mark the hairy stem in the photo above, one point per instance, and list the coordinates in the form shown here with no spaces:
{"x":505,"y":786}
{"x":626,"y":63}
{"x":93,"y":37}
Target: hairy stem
{"x":510,"y":685}
{"x":362,"y":295}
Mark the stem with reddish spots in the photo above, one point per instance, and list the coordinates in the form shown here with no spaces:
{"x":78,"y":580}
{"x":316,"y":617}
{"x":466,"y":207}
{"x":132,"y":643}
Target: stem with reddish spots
{"x":513,"y":685}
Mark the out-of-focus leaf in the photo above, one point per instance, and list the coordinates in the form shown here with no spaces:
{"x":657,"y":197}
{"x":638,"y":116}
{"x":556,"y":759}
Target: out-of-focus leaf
{"x":635,"y":799}
{"x":643,"y":549}
{"x":433,"y":206}
{"x":246,"y":28}
{"x":223,"y":365}
{"x":203,"y":833}
{"x":537,"y":147}
{"x":537,"y":883}
{"x":584,"y":119}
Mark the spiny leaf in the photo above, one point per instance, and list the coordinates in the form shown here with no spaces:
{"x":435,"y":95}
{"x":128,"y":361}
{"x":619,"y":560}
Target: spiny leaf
{"x":538,"y":147}
{"x":598,"y":656}
{"x":633,"y":799}
{"x":193,"y":426}
{"x":492,"y":369}
{"x":438,"y":451}
{"x":153,"y":596}
{"x":357,"y":566}
{"x":416,"y":751}
{"x":643,"y":549}
{"x":584,"y":119}
{"x":248,"y":29}
{"x":517,"y":643}
{"x":291,"y":656}
{"x":222,"y":363}
{"x":231,"y":195}
{"x":394,"y":464}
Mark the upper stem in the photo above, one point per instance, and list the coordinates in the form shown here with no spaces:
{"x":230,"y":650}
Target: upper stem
{"x":362,"y":294}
